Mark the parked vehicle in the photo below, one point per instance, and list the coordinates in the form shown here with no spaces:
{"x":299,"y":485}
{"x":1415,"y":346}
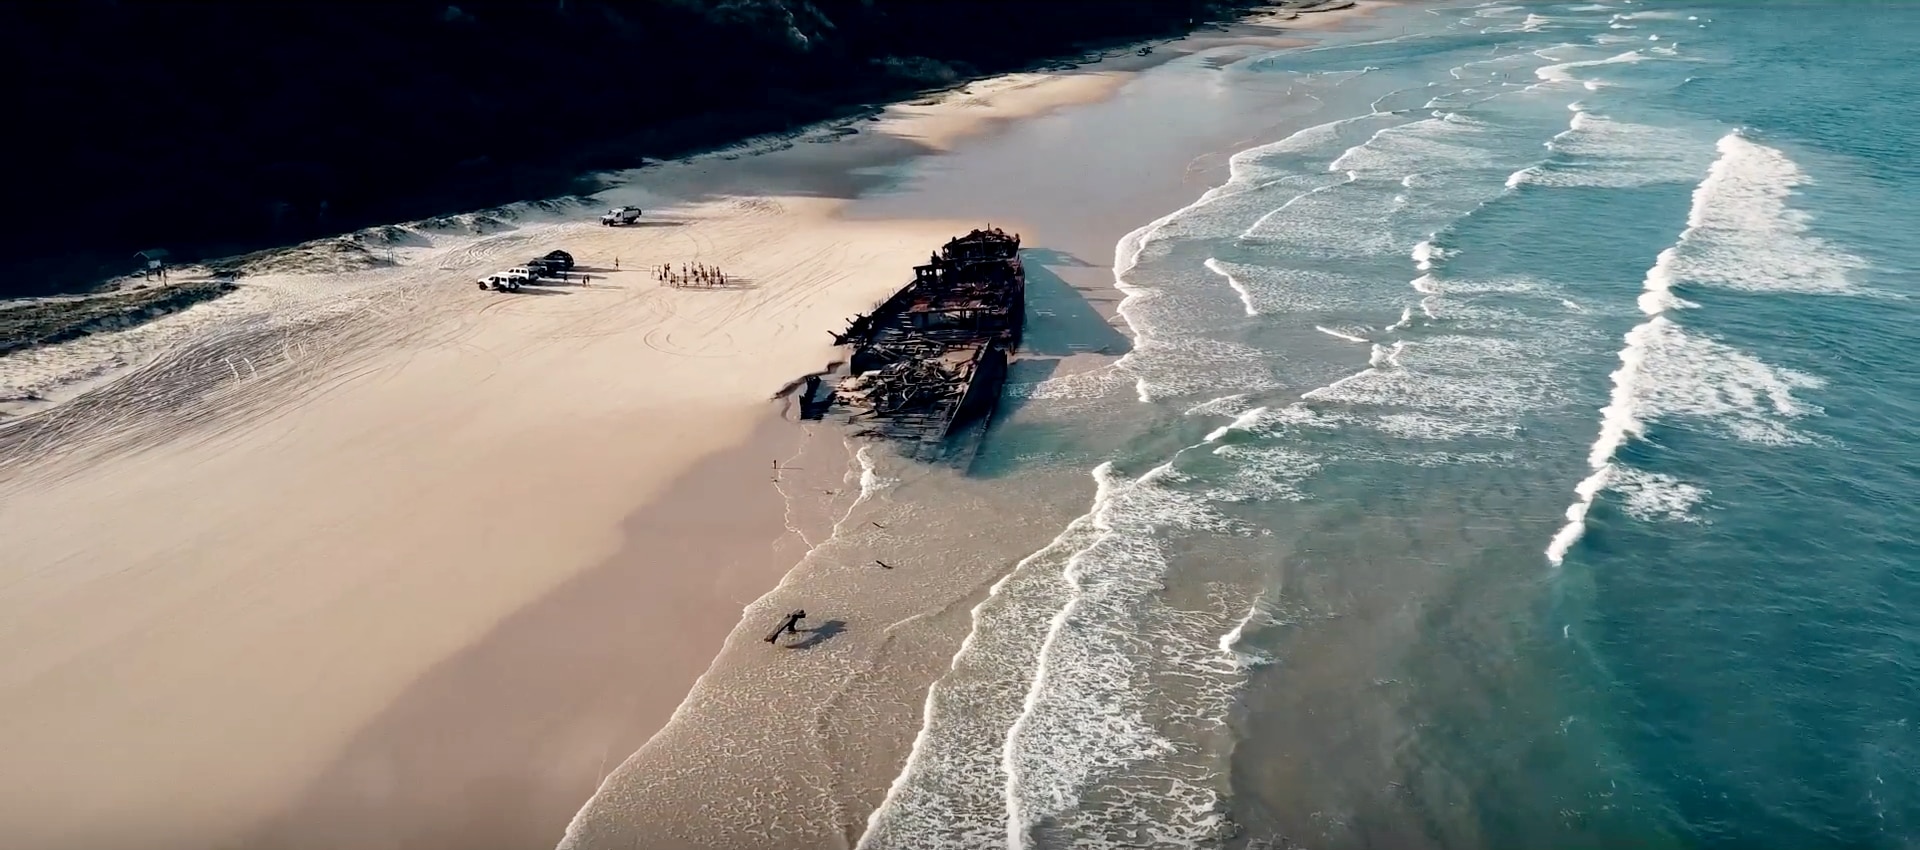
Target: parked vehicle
{"x":550,"y":267}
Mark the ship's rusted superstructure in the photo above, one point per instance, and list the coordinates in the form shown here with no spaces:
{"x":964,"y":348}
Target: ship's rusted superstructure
{"x":931,"y":359}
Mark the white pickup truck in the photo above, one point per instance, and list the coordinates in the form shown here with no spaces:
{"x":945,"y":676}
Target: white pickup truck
{"x":620,"y":216}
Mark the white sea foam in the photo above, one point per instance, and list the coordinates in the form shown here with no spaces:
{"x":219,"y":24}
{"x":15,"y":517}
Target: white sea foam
{"x":1742,"y":234}
{"x":1426,"y":426}
{"x":871,"y":482}
{"x":1599,"y":151}
{"x":1564,"y":72}
{"x":1227,"y":405}
{"x":1182,"y":365}
{"x":1329,"y":222}
{"x":1426,"y":253}
{"x":1446,"y":140}
{"x":1231,"y":641}
{"x":1656,"y":496}
{"x":1689,"y":375}
{"x":1386,"y":356}
{"x":1241,"y":422}
{"x":1294,"y":417}
{"x":950,"y":794}
{"x":1668,"y":373}
{"x":1247,"y":174}
{"x":1046,"y":698}
{"x":1485,"y":380}
{"x":1264,"y":473}
{"x":1083,"y":722}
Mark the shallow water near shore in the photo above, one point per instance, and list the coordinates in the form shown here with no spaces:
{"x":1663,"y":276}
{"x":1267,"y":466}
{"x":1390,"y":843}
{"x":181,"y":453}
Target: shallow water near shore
{"x":1505,"y":454}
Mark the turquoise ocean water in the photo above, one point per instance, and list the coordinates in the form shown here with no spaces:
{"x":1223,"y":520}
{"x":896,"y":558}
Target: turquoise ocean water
{"x":1521,"y":455}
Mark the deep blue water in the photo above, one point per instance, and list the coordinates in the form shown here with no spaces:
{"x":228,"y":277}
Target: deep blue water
{"x":1520,"y":455}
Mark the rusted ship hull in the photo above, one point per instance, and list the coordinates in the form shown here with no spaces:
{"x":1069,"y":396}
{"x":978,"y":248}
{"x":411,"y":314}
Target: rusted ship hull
{"x":929,"y":361}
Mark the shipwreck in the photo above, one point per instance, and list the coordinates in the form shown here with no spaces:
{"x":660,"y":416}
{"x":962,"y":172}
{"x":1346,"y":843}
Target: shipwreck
{"x":929,"y":361}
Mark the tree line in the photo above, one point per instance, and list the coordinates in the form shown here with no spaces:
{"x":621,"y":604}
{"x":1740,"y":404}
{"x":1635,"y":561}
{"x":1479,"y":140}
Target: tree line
{"x":213,"y":127}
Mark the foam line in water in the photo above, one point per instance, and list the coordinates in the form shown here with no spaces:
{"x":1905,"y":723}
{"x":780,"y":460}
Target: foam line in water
{"x":1243,"y":176}
{"x":1244,"y":422}
{"x":1230,"y":642}
{"x":1246,"y":297}
{"x":1260,"y":222}
{"x":1339,"y":335}
{"x":949,"y":794}
{"x":1081,"y":720}
{"x":1563,"y":72}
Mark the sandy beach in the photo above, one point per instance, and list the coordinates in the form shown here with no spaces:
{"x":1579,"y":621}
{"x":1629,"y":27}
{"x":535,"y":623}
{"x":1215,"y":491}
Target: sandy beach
{"x":370,"y":558}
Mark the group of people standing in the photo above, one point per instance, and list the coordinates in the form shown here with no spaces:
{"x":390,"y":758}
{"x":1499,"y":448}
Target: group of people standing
{"x":691,"y":274}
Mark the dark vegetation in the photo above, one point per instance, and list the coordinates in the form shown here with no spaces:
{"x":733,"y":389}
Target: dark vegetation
{"x":214,"y":127}
{"x":24,"y":324}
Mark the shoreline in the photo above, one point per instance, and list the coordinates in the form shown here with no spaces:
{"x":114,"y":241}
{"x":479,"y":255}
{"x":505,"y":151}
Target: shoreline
{"x":859,"y":698}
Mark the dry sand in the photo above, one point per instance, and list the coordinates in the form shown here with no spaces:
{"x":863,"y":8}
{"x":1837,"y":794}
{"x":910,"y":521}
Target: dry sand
{"x":374,"y":559}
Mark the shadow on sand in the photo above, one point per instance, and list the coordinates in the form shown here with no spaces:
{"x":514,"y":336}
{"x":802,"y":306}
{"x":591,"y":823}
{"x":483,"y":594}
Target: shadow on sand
{"x":819,"y":634}
{"x":1022,"y":375}
{"x":1061,"y":319}
{"x":496,"y":746}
